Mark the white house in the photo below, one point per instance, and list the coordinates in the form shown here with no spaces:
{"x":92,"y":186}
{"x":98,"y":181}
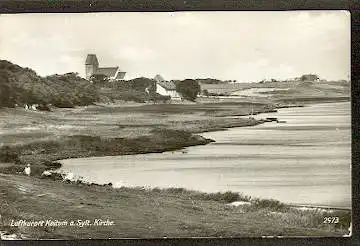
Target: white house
{"x":166,"y":88}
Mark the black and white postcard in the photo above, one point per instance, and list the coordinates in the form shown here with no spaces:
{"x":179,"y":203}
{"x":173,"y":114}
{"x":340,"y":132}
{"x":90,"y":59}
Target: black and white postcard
{"x":175,"y":125}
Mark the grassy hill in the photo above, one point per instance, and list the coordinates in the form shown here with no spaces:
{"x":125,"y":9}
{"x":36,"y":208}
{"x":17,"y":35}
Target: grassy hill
{"x":21,"y":86}
{"x":282,"y":90}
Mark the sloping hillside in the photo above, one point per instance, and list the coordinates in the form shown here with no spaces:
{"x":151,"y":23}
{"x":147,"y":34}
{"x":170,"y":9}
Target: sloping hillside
{"x":281,"y":90}
{"x":20,"y":86}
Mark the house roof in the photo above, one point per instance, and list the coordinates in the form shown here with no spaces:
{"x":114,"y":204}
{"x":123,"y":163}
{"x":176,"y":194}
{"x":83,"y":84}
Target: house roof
{"x":108,"y":71}
{"x":120,"y":75}
{"x":168,"y":85}
{"x":91,"y":59}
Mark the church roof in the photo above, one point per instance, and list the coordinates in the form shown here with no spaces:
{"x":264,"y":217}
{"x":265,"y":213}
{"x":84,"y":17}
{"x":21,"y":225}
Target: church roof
{"x":159,"y":78}
{"x":168,"y":85}
{"x":91,"y":59}
{"x":108,"y":71}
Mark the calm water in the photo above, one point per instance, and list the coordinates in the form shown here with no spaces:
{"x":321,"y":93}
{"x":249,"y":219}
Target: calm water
{"x":303,"y":161}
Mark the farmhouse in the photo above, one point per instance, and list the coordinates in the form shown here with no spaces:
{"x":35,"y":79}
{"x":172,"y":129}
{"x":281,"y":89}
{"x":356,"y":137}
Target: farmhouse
{"x":166,"y":88}
{"x":92,"y":68}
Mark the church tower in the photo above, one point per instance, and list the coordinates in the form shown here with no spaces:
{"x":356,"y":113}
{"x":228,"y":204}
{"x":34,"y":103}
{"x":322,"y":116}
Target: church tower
{"x":91,"y":65}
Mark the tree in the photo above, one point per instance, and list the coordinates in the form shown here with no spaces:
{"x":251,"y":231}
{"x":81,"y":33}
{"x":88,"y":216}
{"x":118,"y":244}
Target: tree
{"x":309,"y":77}
{"x":140,"y":84}
{"x":205,"y":92}
{"x":188,"y":89}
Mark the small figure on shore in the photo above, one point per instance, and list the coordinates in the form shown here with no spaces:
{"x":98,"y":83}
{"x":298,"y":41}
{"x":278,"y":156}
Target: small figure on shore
{"x":69,"y":176}
{"x":27,"y":170}
{"x":350,"y":229}
{"x":34,"y":106}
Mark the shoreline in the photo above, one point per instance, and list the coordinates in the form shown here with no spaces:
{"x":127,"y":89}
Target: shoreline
{"x":189,"y":138}
{"x":102,"y":201}
{"x":258,"y":122}
{"x":68,"y":147}
{"x":160,"y":140}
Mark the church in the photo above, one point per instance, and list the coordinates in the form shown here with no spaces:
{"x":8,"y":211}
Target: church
{"x":92,"y":68}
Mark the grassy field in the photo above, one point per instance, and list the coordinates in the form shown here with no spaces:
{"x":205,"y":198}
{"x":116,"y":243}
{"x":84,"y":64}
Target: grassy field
{"x":295,"y":89}
{"x":138,"y":212}
{"x":37,"y":138}
{"x":130,"y":121}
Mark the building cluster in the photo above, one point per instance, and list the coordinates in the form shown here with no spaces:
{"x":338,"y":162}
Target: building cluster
{"x":113,"y":74}
{"x":163,"y":87}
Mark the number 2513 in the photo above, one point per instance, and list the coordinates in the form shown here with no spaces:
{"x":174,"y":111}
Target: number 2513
{"x":331,"y":220}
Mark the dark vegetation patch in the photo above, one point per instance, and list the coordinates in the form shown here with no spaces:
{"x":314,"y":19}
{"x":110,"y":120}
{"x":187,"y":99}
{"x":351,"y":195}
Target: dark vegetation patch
{"x":23,"y":86}
{"x":20,"y":86}
{"x":138,"y":90}
{"x":188,"y":89}
{"x":224,"y":197}
{"x":42,"y":154}
{"x":213,"y":81}
{"x":270,"y":204}
{"x":304,"y":100}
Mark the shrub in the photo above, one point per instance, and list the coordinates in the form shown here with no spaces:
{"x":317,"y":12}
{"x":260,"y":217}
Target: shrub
{"x":52,"y":164}
{"x":269,"y":204}
{"x":211,"y":81}
{"x":7,"y":154}
{"x":205,"y":92}
{"x":98,"y":78}
{"x":137,"y":84}
{"x":188,"y":88}
{"x":159,"y":98}
{"x":226,"y":197}
{"x":176,"y":190}
{"x":132,"y":96}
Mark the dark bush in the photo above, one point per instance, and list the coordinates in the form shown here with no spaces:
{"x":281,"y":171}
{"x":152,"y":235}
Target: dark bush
{"x":132,"y":96}
{"x":188,"y":89}
{"x":43,"y":107}
{"x":227,"y":197}
{"x":140,"y":84}
{"x":269,"y":203}
{"x":205,"y":92}
{"x":211,"y":81}
{"x":98,"y":78}
{"x":7,"y":154}
{"x":52,"y":164}
{"x":159,"y":98}
{"x":62,"y":104}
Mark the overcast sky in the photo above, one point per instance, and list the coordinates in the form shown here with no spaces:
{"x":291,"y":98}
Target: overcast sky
{"x":246,"y":46}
